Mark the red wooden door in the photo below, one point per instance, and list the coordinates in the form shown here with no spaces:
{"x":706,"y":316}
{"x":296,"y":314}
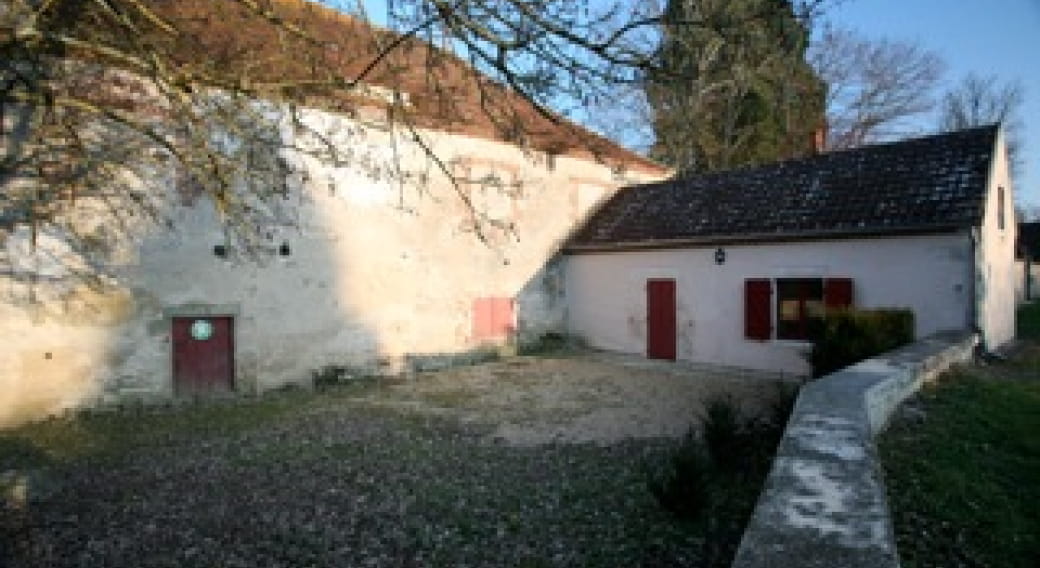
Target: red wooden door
{"x":203,"y":354}
{"x":660,"y":319}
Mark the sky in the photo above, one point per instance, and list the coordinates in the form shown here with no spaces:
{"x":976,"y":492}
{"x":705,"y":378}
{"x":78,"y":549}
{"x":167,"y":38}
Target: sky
{"x":999,"y":38}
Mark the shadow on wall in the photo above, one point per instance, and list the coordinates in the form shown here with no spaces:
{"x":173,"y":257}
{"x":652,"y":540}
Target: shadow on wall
{"x":375,"y":265}
{"x":58,"y":323}
{"x":542,"y":305}
{"x":75,"y":339}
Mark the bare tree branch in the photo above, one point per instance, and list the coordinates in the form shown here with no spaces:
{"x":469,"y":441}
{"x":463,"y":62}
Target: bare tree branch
{"x":111,"y":99}
{"x":978,"y":101}
{"x":876,"y":90}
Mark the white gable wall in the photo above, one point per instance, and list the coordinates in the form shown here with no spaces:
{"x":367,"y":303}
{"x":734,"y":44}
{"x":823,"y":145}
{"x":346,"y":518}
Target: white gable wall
{"x":606,"y":292}
{"x":997,"y":276}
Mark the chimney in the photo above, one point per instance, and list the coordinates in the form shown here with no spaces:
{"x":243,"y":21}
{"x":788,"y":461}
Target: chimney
{"x":820,"y":138}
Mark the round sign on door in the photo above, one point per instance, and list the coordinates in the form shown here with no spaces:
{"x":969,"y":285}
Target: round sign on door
{"x":201,"y":330}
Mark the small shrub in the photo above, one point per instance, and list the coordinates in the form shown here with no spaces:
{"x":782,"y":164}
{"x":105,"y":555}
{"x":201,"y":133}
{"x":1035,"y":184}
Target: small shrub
{"x":551,"y":343}
{"x":331,"y":376}
{"x":764,"y":433}
{"x":683,"y":485}
{"x":725,"y":465}
{"x":845,"y":337}
{"x":546,"y":343}
{"x":782,"y":407}
{"x":724,"y":433}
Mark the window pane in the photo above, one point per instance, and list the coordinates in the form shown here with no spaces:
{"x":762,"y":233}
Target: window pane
{"x":798,"y":301}
{"x":789,"y":310}
{"x":815,"y":308}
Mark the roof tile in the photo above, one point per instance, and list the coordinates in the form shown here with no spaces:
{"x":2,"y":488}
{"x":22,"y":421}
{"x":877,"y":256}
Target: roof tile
{"x":931,"y":183}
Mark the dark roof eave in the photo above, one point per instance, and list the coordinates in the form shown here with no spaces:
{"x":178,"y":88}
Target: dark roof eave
{"x":755,"y":238}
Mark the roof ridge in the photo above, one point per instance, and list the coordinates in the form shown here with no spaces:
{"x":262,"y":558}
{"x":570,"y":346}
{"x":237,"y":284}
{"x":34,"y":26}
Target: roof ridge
{"x":545,"y":133}
{"x":920,"y":183}
{"x":844,"y":151}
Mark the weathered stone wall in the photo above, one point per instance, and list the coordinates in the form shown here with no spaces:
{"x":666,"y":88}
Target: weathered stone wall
{"x":385,"y":262}
{"x":823,"y":504}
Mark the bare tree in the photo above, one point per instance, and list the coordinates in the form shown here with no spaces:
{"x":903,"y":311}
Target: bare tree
{"x":624,"y":116}
{"x":876,"y":90}
{"x":104,"y":103}
{"x":978,"y":101}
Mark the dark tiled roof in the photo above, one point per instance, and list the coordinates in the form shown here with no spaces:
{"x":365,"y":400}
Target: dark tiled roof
{"x":1029,"y":239}
{"x":935,"y":183}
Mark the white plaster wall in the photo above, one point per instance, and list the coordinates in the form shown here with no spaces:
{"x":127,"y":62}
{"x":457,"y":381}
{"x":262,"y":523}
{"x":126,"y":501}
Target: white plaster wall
{"x":383,"y":267}
{"x":606,"y":292}
{"x":997,"y":277}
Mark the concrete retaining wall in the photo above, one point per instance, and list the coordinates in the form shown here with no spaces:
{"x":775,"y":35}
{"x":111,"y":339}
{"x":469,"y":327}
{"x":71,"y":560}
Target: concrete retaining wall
{"x":824,"y":503}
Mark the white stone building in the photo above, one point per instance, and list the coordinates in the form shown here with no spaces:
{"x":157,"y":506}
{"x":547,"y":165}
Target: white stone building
{"x":727,"y":268}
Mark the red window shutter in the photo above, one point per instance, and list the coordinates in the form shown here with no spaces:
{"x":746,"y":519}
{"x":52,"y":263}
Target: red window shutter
{"x":757,"y":313}
{"x":493,"y":318}
{"x":837,"y":293}
{"x":501,"y":317}
{"x":482,"y":318}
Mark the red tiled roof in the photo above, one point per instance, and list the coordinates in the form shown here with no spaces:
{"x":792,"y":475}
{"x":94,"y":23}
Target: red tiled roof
{"x":444,"y":92}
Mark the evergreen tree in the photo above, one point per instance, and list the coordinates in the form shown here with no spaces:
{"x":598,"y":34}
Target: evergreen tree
{"x":732,"y":86}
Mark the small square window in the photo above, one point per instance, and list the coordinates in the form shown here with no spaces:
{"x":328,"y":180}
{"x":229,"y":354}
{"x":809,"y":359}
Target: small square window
{"x":1001,"y":206}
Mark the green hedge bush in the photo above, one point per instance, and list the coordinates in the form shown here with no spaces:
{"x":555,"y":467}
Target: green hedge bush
{"x":844,"y":337}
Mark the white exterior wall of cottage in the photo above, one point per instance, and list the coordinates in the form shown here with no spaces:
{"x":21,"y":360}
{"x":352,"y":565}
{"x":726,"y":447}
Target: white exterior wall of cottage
{"x":606,"y":292}
{"x":996,"y":276}
{"x":380,"y":272}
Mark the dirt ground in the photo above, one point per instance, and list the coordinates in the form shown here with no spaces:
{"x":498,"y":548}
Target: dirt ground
{"x":588,"y":397}
{"x":378,"y":473}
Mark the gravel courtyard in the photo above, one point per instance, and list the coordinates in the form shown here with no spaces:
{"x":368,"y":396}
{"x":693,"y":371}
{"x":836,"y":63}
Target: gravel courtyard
{"x":596,"y":397}
{"x":521,"y":462}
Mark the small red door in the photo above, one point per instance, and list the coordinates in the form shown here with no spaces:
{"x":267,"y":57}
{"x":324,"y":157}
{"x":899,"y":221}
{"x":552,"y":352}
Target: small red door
{"x":203,"y":354}
{"x":660,"y":319}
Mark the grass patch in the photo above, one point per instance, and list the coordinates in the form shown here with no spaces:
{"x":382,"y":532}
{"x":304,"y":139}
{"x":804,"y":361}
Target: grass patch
{"x":963,"y":483}
{"x":551,"y":343}
{"x":112,"y":433}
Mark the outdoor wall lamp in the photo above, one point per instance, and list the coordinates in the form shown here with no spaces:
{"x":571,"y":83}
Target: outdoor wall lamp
{"x":720,"y":256}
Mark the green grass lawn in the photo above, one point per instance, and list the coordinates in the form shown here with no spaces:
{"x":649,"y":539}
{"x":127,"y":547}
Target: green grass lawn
{"x":964,"y":478}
